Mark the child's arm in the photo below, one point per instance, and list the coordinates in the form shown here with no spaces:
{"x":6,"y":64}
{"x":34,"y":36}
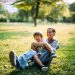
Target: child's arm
{"x":47,"y":46}
{"x":35,"y":45}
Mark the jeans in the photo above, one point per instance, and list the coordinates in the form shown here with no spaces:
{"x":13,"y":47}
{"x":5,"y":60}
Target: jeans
{"x":23,"y":59}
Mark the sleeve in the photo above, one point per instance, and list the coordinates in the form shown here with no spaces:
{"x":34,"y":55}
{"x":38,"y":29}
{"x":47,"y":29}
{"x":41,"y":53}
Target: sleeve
{"x":54,"y":46}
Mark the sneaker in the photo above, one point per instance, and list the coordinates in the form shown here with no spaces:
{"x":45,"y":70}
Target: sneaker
{"x":44,"y":69}
{"x":12,"y":57}
{"x":31,"y":63}
{"x":54,"y":56}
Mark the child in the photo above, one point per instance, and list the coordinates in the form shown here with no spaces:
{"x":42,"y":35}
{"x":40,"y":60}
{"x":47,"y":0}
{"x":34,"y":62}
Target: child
{"x":22,"y":60}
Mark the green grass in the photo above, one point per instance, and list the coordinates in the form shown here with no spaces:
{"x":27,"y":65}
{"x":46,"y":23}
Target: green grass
{"x":19,"y":37}
{"x":9,"y":34}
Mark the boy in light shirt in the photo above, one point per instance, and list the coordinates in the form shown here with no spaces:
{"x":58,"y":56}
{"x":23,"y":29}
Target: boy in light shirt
{"x":22,"y":60}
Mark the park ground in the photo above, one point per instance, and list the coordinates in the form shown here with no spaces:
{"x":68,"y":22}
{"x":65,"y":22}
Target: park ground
{"x":18,"y":37}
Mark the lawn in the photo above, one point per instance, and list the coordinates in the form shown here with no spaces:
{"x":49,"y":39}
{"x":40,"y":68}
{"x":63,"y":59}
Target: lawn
{"x":18,"y":37}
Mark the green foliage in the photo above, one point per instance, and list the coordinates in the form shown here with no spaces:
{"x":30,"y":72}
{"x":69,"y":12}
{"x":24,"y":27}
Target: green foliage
{"x":3,"y":13}
{"x":70,"y":18}
{"x":38,"y":8}
{"x":72,"y":7}
{"x":30,"y":4}
{"x":1,"y":8}
{"x":24,"y":4}
{"x":31,"y":10}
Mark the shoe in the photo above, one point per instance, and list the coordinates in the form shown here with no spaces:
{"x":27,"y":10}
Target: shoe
{"x":31,"y":63}
{"x":54,"y":56}
{"x":44,"y":69}
{"x":12,"y":57}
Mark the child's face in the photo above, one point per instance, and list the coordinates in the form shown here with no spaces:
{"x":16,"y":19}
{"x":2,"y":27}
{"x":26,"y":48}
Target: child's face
{"x":50,"y":34}
{"x":38,"y":38}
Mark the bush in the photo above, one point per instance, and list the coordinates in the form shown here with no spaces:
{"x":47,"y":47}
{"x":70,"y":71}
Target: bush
{"x":3,"y":19}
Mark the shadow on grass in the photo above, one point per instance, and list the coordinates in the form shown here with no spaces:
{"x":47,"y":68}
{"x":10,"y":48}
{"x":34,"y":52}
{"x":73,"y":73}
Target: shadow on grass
{"x":34,"y":70}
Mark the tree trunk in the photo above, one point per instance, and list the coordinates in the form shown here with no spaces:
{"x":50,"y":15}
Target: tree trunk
{"x":36,"y":12}
{"x":27,"y":16}
{"x":35,"y":21}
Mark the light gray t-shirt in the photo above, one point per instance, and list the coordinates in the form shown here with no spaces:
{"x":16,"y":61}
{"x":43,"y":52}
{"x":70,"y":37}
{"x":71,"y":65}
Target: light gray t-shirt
{"x":54,"y":45}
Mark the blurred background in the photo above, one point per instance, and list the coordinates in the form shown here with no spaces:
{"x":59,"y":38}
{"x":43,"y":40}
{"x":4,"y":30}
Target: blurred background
{"x":37,"y":11}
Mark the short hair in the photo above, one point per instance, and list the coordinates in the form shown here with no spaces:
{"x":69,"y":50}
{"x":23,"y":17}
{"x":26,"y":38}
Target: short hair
{"x":37,"y":34}
{"x":53,"y":30}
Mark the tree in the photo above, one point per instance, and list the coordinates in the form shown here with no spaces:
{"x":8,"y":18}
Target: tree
{"x":1,"y":8}
{"x":59,"y":11}
{"x":72,"y":10}
{"x":23,"y":15}
{"x":34,"y":6}
{"x":3,"y":12}
{"x":72,"y":7}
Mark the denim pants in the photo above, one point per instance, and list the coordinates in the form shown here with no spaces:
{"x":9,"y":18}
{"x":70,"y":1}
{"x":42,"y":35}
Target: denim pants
{"x":45,"y":56}
{"x":24,"y":58}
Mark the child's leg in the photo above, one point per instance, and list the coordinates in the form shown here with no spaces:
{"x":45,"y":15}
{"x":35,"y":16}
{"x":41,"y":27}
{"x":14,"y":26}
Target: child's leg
{"x":35,"y":57}
{"x":22,"y":59}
